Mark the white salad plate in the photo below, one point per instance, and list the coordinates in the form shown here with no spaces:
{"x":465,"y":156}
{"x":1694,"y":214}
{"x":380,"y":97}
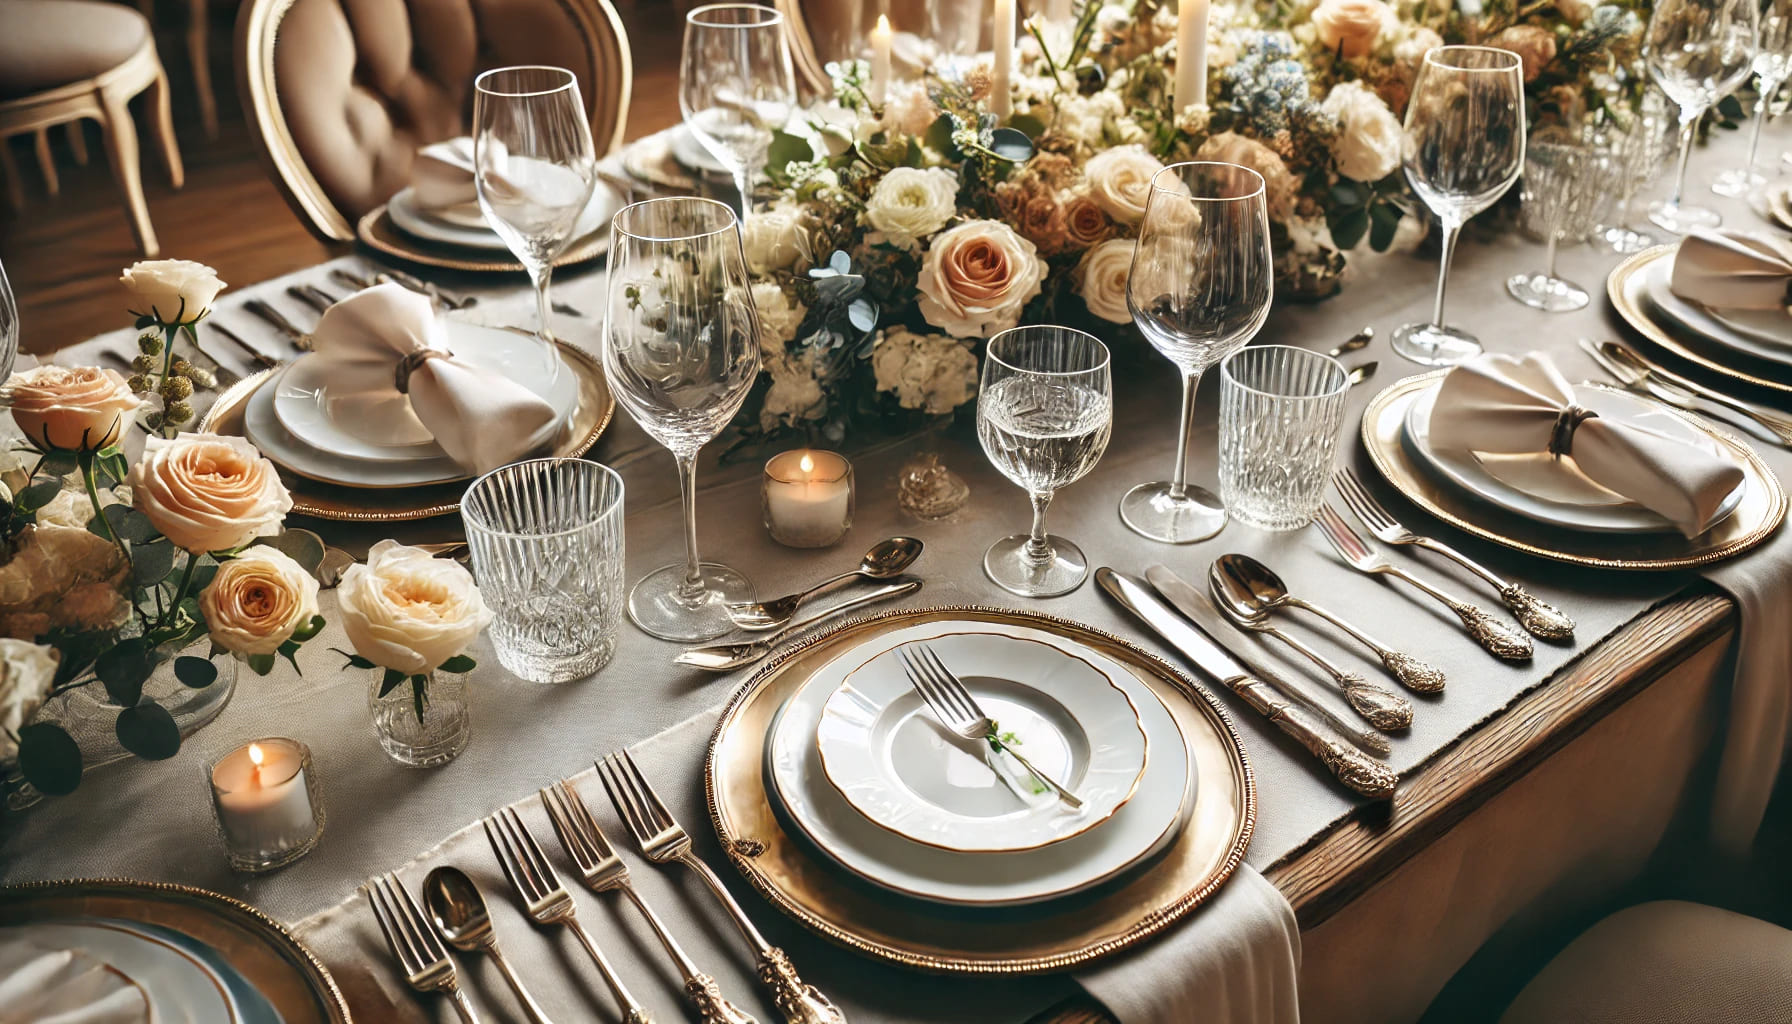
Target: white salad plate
{"x":1762,"y":333}
{"x":1554,"y":491}
{"x":453,"y":229}
{"x":39,"y":981}
{"x":178,"y":984}
{"x":1143,"y":827}
{"x":889,"y":756}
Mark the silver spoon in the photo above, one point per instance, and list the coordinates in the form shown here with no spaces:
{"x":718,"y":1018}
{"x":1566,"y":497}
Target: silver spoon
{"x":458,"y":911}
{"x":1362,"y":373}
{"x":886,"y":559}
{"x":1356,"y":341}
{"x":1382,"y":708}
{"x":727,"y":657}
{"x":1267,"y":590}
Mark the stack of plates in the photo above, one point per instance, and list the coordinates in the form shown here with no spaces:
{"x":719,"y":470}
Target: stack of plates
{"x":1753,"y":346}
{"x":461,"y":239}
{"x":671,"y":160}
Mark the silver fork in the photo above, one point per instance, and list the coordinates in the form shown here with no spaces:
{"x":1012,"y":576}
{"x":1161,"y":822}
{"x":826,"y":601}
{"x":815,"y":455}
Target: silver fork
{"x":603,"y":871}
{"x":264,"y":311}
{"x":1493,"y":635}
{"x":547,"y":901}
{"x":1540,"y":617}
{"x":957,"y":710}
{"x":664,"y":841}
{"x":418,"y":950}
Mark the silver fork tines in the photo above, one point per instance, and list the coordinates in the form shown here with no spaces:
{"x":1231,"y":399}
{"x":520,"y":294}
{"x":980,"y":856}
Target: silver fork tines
{"x":415,"y":945}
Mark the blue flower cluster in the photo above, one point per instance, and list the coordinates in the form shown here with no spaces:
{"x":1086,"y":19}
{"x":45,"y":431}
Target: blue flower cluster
{"x":1268,"y":85}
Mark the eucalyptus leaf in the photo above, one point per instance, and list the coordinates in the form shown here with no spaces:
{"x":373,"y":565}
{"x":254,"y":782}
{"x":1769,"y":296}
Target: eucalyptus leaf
{"x":862,"y":314}
{"x":203,"y":576}
{"x":458,"y":663}
{"x":127,"y":522}
{"x":49,"y":758}
{"x":1010,"y":144}
{"x":1349,"y":226}
{"x":939,"y":135}
{"x":197,"y":673}
{"x":1028,"y":125}
{"x":302,"y":546}
{"x":392,"y":678}
{"x":148,"y":731}
{"x":124,"y":668}
{"x":1347,"y":193}
{"x":1384,"y":221}
{"x":151,"y":563}
{"x":260,"y":664}
{"x":38,"y":494}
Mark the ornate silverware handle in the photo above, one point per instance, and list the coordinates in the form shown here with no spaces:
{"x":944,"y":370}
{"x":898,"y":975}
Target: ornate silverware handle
{"x":1538,"y":616}
{"x":1352,"y":767}
{"x":1493,"y":635}
{"x":799,"y":1002}
{"x":632,"y":1009}
{"x":700,"y":990}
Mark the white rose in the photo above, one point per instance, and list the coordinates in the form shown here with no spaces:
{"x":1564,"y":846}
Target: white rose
{"x":1101,"y":279}
{"x":976,"y":278}
{"x":1120,"y":181}
{"x":26,"y":672}
{"x":910,"y":203}
{"x":775,"y":239}
{"x":172,"y":291}
{"x":207,"y":492}
{"x":908,"y":108}
{"x":795,"y":394}
{"x":1418,"y":42}
{"x":1367,"y":146}
{"x":257,"y":601}
{"x":406,"y":611}
{"x":779,"y":317}
{"x":930,"y":372}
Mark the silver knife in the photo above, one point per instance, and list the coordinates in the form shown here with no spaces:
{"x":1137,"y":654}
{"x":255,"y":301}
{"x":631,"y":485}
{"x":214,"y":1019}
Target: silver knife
{"x":1659,"y":379}
{"x":1640,"y":380}
{"x":1352,"y":767}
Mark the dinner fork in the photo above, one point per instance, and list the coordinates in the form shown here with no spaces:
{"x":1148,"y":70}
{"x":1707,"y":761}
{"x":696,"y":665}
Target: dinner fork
{"x":1541,"y":618}
{"x":603,"y":871}
{"x":265,"y":312}
{"x":1493,"y":636}
{"x":415,"y":945}
{"x":547,"y":901}
{"x":664,"y":841}
{"x":957,"y":710}
{"x":262,"y":359}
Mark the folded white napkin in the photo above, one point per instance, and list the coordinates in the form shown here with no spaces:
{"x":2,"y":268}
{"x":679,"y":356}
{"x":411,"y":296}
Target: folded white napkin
{"x":442,"y":175}
{"x":44,"y":985}
{"x":387,"y":358}
{"x":1507,"y":404}
{"x":1732,"y":270}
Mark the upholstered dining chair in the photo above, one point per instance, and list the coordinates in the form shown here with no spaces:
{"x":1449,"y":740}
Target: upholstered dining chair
{"x":65,"y":61}
{"x":341,"y":93}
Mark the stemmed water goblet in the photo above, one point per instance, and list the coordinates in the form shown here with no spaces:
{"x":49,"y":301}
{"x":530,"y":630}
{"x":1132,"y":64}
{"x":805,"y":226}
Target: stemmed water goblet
{"x":1635,"y":151}
{"x":1044,"y":414}
{"x":1772,"y":66}
{"x":736,"y":85}
{"x":681,"y":351}
{"x":1561,"y":193}
{"x":1463,"y":148}
{"x":1199,"y":290}
{"x":1698,"y":51}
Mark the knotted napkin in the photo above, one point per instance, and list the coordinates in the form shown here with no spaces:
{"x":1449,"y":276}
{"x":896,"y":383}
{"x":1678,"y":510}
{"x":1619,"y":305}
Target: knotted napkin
{"x":1731,"y":270}
{"x":390,"y":366}
{"x":442,"y":175}
{"x":1502,"y":404}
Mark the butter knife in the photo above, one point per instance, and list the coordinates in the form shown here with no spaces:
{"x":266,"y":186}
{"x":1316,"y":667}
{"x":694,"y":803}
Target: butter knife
{"x":1352,"y":767}
{"x":1639,"y":374}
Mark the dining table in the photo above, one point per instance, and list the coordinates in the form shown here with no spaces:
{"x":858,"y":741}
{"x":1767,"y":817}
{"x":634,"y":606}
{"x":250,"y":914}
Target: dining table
{"x":1530,"y":793}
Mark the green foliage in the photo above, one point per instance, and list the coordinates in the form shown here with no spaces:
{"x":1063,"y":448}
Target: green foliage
{"x":355,"y":661}
{"x":49,"y":758}
{"x":148,"y":731}
{"x":124,"y":669}
{"x":128,"y":523}
{"x":37,"y":495}
{"x":260,"y":664}
{"x":197,"y":673}
{"x":786,"y":148}
{"x":302,"y":546}
{"x":458,"y":663}
{"x":151,"y":563}
{"x":392,"y":678}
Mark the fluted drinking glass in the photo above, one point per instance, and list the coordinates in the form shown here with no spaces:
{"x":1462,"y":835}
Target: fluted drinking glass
{"x":681,"y":352}
{"x":1698,"y":51}
{"x":1199,"y":290}
{"x":736,"y":85}
{"x":1281,"y":411}
{"x":1772,"y":66}
{"x":1562,"y":190}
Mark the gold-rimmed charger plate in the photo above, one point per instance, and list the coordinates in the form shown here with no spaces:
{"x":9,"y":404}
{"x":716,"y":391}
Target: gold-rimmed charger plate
{"x":321,"y":500}
{"x":1759,"y":513}
{"x":1050,"y":937}
{"x":265,"y":954}
{"x":377,"y":232}
{"x":1624,"y":287}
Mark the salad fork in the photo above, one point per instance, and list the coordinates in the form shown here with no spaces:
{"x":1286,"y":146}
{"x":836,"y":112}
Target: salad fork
{"x":1493,"y":636}
{"x":664,"y":841}
{"x":1540,"y":617}
{"x":418,"y":951}
{"x":547,"y":901}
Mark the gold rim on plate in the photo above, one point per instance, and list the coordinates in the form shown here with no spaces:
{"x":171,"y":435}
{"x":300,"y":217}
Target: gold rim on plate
{"x":272,"y":959}
{"x":322,"y":500}
{"x":376,"y":231}
{"x":1622,"y":293}
{"x":1759,"y":513}
{"x":1023,"y":940}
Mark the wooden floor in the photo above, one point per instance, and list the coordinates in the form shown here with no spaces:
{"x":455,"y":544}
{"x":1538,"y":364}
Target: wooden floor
{"x":63,"y":253}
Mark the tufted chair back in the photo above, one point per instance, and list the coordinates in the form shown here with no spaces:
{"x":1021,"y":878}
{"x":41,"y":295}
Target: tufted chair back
{"x":341,"y":93}
{"x":829,"y":30}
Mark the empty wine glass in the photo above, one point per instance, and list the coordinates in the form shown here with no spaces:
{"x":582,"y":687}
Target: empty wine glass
{"x":1637,"y":148}
{"x":1698,"y":51}
{"x":681,"y":351}
{"x":1772,"y":65}
{"x":1463,"y":148}
{"x":736,"y":85}
{"x":9,"y":327}
{"x":1199,"y":291}
{"x":534,"y":168}
{"x":1043,"y":414}
{"x":1559,"y":193}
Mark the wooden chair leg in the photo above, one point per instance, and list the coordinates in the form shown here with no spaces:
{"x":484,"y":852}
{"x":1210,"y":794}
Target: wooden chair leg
{"x":15,"y":186}
{"x":46,"y":162}
{"x":163,"y":127}
{"x":77,"y":140}
{"x":198,"y":41}
{"x":121,"y":151}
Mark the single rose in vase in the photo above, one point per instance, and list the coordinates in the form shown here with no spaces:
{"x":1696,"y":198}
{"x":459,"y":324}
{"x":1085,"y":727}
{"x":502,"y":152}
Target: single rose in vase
{"x":409,"y":612}
{"x":206,"y":492}
{"x":78,"y":409}
{"x":171,"y":291}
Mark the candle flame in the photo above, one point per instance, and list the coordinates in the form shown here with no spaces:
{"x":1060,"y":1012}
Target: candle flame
{"x":807,"y":464}
{"x":255,"y":754}
{"x":883,"y":24}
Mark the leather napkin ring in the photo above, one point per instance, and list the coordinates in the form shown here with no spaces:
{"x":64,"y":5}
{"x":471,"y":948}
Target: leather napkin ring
{"x":1561,"y":436}
{"x":401,"y":377}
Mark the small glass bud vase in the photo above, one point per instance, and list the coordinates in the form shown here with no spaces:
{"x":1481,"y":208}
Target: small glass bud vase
{"x":435,"y":737}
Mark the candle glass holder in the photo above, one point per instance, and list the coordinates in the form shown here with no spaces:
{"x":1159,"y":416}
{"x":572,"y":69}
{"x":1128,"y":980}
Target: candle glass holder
{"x":422,"y":730}
{"x":807,"y":497}
{"x":268,"y":814}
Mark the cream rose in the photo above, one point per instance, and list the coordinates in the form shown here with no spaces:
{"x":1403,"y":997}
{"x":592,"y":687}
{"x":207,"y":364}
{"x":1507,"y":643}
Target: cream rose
{"x":976,"y":277}
{"x":908,"y":109}
{"x":779,"y":317}
{"x":257,"y":601}
{"x":1534,"y":45}
{"x":1367,"y":147}
{"x":910,"y":203}
{"x":80,"y":408}
{"x":1278,"y":181}
{"x":205,"y":492}
{"x":172,"y":291}
{"x":930,"y":372}
{"x":26,"y":672}
{"x":1350,"y":27}
{"x":1418,"y":42}
{"x":1120,"y":181}
{"x":775,"y":239}
{"x":1101,"y":279}
{"x":406,"y":611}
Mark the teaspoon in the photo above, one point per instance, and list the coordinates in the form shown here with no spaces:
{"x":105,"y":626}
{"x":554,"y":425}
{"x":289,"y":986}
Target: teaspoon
{"x":729,"y":656}
{"x":886,"y":559}
{"x":458,"y":911}
{"x":1355,"y":342}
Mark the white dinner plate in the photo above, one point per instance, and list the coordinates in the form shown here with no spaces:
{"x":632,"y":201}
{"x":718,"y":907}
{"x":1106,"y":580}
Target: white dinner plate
{"x":1142,"y":828}
{"x":1762,"y":333}
{"x":179,"y":985}
{"x":890,"y":758}
{"x":262,"y":427}
{"x":39,"y":981}
{"x":1551,"y":490}
{"x":412,"y":219}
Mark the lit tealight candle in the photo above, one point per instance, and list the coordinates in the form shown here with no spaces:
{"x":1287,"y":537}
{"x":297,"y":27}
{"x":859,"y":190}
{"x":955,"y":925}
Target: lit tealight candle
{"x":263,"y":793}
{"x":881,"y":41}
{"x":808,"y":498}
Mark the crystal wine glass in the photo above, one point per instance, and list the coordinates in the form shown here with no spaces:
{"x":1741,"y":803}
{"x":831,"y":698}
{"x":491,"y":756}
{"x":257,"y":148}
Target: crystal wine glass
{"x":1772,"y":66}
{"x":681,"y":351}
{"x":1463,"y":148}
{"x":9,"y":327}
{"x":736,"y":85}
{"x":1698,"y":51}
{"x":1044,"y":414}
{"x":1558,"y":192}
{"x":534,"y":168}
{"x":1199,"y":291}
{"x":1637,"y":149}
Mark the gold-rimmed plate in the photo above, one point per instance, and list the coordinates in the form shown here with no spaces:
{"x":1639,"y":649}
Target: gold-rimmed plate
{"x":321,"y":500}
{"x":1759,"y":513}
{"x":1055,"y":935}
{"x":1626,"y":287}
{"x":377,"y":231}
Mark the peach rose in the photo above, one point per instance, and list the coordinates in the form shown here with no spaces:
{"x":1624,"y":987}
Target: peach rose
{"x":205,"y":492}
{"x":976,"y":277}
{"x":1120,"y":181}
{"x":257,"y":601}
{"x":1085,"y":222}
{"x":1350,"y":27}
{"x":407,"y":611}
{"x":1534,"y":46}
{"x":82,"y":408}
